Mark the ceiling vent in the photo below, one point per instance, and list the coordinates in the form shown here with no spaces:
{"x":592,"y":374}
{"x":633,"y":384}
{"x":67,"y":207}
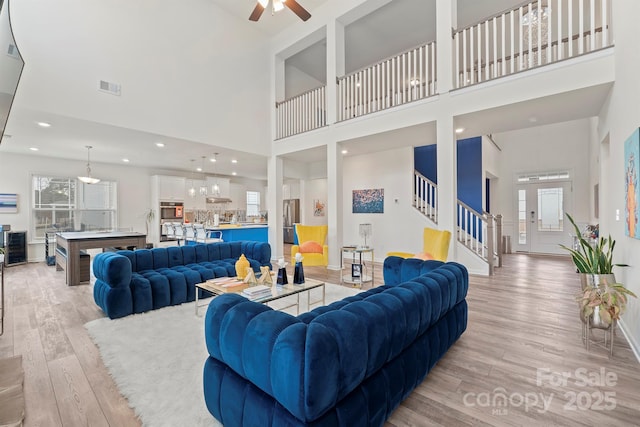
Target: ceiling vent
{"x":12,"y":51}
{"x":112,"y":88}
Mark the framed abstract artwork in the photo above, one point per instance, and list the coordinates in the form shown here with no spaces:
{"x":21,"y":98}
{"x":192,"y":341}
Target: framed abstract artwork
{"x":8,"y":203}
{"x":318,"y":207}
{"x":368,"y":201}
{"x":631,"y":166}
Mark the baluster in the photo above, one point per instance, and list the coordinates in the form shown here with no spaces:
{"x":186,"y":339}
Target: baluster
{"x":529,"y":32}
{"x":539,"y":36}
{"x":464,"y":58}
{"x":605,"y":24}
{"x":513,"y":42}
{"x":495,"y":48}
{"x":580,"y":27}
{"x":471,"y":58}
{"x":570,"y":28}
{"x":503,"y":47}
{"x":592,"y":25}
{"x":549,"y":31}
{"x":479,"y":52}
{"x":434,"y":75}
{"x":520,"y":40}
{"x":560,"y":44}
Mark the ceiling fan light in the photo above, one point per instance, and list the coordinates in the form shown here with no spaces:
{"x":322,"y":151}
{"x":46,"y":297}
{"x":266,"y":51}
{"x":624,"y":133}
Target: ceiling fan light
{"x":277,"y":5}
{"x":263,"y":3}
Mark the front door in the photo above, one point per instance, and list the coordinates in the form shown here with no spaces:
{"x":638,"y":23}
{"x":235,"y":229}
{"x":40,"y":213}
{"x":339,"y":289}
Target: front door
{"x":541,"y":224}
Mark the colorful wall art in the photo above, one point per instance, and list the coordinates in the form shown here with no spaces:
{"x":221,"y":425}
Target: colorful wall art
{"x":8,"y":203}
{"x":632,"y":199}
{"x":318,"y":207}
{"x":368,"y":201}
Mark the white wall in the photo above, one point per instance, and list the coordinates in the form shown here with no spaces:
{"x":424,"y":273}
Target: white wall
{"x":298,"y":82}
{"x":561,"y":146}
{"x":400,"y":227}
{"x":15,"y":177}
{"x":315,"y":189}
{"x":185,"y":70}
{"x":619,"y":118}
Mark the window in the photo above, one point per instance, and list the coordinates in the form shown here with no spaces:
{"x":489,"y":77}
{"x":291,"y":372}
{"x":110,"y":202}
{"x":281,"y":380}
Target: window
{"x":253,"y":203}
{"x":66,"y":204}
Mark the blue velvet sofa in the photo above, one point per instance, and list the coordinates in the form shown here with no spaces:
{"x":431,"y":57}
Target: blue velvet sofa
{"x":130,"y":282}
{"x":347,"y":364}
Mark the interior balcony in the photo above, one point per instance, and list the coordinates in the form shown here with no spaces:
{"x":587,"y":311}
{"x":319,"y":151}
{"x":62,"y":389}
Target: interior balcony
{"x":534,"y":35}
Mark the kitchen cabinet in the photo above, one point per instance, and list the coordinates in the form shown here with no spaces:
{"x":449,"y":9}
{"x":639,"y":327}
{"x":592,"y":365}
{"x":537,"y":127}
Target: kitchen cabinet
{"x":171,"y":188}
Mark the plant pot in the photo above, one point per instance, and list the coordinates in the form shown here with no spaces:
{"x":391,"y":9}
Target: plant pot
{"x":596,"y":320}
{"x":588,"y":279}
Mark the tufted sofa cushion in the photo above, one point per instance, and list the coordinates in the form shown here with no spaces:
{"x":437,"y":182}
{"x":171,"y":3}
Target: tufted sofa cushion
{"x":311,"y":362}
{"x":145,"y":279}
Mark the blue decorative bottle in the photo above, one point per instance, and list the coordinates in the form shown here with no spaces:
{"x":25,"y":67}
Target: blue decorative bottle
{"x":298,"y":274}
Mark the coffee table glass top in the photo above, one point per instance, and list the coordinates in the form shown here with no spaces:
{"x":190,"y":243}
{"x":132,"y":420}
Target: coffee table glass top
{"x":277,"y":291}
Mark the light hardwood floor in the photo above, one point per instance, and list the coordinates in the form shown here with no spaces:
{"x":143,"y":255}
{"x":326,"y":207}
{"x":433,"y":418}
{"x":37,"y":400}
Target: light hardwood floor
{"x":522,"y":343}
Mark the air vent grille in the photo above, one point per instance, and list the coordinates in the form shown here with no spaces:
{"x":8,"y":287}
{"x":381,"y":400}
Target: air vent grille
{"x":112,"y":88}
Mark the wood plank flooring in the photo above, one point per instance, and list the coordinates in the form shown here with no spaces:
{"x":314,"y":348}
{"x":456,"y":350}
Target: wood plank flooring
{"x":522,"y":348}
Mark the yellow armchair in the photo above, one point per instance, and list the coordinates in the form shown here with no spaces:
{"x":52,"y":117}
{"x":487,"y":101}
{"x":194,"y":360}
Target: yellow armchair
{"x":435,"y":244}
{"x":311,"y":244}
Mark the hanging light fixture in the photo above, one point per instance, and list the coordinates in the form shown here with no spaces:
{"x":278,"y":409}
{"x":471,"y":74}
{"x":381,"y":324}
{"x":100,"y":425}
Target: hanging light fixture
{"x":192,"y":191}
{"x":215,"y":188}
{"x":203,"y":184}
{"x":88,"y":179}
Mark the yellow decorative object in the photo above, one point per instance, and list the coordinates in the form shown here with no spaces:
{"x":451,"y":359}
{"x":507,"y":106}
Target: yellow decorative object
{"x":435,"y":243}
{"x":241,"y":267}
{"x":265,"y":278}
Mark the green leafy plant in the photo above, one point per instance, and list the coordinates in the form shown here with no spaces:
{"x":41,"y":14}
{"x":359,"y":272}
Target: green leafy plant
{"x":1,"y":251}
{"x":593,"y":259}
{"x":610,"y":298}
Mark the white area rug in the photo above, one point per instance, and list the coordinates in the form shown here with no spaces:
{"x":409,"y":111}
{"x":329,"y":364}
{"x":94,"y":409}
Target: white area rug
{"x":156,"y":359}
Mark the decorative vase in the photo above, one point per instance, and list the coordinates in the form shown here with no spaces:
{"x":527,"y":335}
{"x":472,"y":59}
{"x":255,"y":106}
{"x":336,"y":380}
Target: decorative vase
{"x":282,"y":277}
{"x":298,"y":274}
{"x":588,"y":279}
{"x":241,"y":267}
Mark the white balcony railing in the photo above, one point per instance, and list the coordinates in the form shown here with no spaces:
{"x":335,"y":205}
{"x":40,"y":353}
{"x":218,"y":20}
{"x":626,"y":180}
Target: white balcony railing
{"x":535,"y":33}
{"x":425,"y":194}
{"x":301,"y":113}
{"x":398,"y":80}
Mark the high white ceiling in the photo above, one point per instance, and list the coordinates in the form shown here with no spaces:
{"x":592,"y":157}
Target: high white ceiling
{"x":398,"y":25}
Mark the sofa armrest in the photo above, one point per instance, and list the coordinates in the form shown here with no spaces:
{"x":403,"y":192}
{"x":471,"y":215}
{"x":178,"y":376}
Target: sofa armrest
{"x":112,"y":269}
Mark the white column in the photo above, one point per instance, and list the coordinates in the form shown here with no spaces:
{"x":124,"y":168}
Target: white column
{"x":447,"y":173}
{"x":335,"y":66}
{"x":334,"y":203}
{"x":446,"y":17}
{"x":275,"y":170}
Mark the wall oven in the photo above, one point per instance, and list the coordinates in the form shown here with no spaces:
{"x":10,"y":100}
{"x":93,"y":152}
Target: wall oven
{"x":169,"y":212}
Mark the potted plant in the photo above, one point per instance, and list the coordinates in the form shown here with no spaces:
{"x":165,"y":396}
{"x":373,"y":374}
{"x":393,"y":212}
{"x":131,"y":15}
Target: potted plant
{"x":1,"y":255}
{"x":594,"y":261}
{"x":603,"y":304}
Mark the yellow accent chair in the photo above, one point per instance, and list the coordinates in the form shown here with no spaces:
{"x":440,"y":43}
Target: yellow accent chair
{"x":435,"y":246}
{"x":311,"y":244}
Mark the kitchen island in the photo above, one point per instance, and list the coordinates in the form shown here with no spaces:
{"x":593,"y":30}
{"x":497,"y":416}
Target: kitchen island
{"x":237,"y":232}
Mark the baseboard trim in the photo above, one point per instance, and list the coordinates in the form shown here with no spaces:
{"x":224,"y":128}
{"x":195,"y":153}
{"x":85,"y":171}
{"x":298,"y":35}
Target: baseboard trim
{"x":632,"y":343}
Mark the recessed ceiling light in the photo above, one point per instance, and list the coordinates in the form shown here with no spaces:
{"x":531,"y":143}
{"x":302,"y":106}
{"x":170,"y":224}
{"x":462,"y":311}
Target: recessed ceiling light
{"x":44,"y":124}
{"x":199,"y":169}
{"x":234,"y":161}
{"x":233,"y":173}
{"x":34,"y":149}
{"x":159,"y":144}
{"x":125,"y":160}
{"x":344,"y":151}
{"x":459,"y":130}
{"x":213,"y":159}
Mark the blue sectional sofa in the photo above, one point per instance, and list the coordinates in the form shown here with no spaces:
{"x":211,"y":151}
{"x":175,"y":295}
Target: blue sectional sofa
{"x":347,"y":364}
{"x":130,"y":282}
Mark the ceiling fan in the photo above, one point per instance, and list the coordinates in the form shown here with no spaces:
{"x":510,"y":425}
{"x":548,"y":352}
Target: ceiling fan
{"x":277,"y":5}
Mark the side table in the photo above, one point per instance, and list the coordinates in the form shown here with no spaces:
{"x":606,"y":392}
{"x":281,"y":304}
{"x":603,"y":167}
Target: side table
{"x":360,"y":273}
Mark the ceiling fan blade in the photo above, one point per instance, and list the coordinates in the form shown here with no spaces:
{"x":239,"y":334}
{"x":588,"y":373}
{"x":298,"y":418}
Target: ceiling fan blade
{"x":257,"y":12}
{"x":297,"y":9}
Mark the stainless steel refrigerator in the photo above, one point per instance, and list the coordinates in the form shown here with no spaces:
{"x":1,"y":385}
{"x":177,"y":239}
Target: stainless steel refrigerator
{"x":291,"y":215}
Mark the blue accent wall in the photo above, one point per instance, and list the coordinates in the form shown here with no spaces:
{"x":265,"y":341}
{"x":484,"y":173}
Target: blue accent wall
{"x":426,"y":161}
{"x":470,"y":172}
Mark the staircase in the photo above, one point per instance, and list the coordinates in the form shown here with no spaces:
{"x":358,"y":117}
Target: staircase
{"x":479,"y":233}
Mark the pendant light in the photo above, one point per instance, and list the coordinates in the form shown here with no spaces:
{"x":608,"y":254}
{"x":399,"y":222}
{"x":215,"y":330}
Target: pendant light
{"x":192,"y":191}
{"x":203,"y":184}
{"x":88,"y":179}
{"x":215,"y":188}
